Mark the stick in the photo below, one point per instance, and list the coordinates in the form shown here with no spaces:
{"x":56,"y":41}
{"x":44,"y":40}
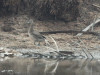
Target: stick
{"x":55,"y":43}
{"x":81,"y":48}
{"x":88,"y":27}
{"x":86,"y":47}
{"x":68,"y":31}
{"x":94,"y":22}
{"x":96,"y":5}
{"x":72,"y":47}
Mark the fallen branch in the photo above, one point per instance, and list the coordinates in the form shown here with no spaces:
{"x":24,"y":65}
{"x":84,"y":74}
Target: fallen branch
{"x":55,"y":43}
{"x":66,"y":52}
{"x":88,"y":27}
{"x":69,"y":31}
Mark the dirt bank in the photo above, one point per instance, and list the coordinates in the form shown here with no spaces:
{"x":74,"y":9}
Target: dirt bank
{"x":13,"y":29}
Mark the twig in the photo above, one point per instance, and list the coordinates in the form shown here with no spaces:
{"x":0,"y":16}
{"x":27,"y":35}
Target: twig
{"x":94,"y":22}
{"x":50,"y":48}
{"x":88,"y":27}
{"x":72,"y":47}
{"x":85,"y":47}
{"x":46,"y":41}
{"x":94,"y":48}
{"x":96,"y":5}
{"x":59,"y":53}
{"x":81,"y":48}
{"x":55,"y":43}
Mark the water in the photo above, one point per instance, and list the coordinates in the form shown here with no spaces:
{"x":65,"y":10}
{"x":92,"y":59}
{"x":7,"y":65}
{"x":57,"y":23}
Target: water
{"x":29,"y":66}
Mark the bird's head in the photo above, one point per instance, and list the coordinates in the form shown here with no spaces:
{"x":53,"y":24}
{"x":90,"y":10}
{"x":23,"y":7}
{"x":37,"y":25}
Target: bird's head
{"x":31,"y":21}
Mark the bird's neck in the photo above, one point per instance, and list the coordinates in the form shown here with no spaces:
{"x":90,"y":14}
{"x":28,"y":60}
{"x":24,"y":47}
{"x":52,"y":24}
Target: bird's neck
{"x":31,"y":28}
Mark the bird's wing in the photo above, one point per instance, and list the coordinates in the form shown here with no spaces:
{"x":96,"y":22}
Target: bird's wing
{"x":37,"y":34}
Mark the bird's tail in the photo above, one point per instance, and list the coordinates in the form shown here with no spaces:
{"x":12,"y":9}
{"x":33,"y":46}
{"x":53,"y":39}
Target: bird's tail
{"x":47,"y":43}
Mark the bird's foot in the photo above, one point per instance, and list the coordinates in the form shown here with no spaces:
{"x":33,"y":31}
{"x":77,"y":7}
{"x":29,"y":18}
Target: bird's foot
{"x":37,"y":44}
{"x":46,"y":44}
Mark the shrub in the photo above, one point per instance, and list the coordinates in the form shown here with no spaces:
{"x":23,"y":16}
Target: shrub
{"x":42,"y":9}
{"x":58,"y":9}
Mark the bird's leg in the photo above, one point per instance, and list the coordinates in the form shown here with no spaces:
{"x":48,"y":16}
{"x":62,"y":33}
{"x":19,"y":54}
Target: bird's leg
{"x":34,"y":43}
{"x":44,"y":44}
{"x":39,"y":43}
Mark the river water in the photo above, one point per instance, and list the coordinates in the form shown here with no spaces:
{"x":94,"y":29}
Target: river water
{"x":29,"y":66}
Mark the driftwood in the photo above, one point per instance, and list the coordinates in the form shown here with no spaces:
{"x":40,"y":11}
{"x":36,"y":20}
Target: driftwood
{"x":69,"y":31}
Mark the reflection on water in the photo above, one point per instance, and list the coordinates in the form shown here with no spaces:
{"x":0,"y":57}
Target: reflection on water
{"x":29,"y":66}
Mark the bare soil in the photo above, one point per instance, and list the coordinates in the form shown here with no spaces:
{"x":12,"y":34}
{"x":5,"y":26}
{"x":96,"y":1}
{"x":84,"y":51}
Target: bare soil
{"x":14,"y":30}
{"x":15,"y":35}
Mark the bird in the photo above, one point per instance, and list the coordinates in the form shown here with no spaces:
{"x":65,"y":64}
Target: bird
{"x":35,"y":35}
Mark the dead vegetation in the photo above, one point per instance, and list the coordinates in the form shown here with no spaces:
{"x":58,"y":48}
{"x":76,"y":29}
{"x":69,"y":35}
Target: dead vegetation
{"x":57,"y":9}
{"x":66,"y":10}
